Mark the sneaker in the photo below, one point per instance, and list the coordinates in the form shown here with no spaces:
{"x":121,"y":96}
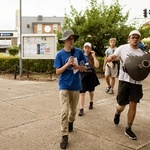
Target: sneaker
{"x":91,"y":105}
{"x":64,"y":142}
{"x":70,"y":126}
{"x":117,"y":119}
{"x":107,"y":89}
{"x":130,"y":134}
{"x":111,"y":91}
{"x":81,"y":112}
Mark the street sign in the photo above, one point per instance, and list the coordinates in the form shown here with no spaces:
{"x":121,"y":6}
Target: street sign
{"x":6,"y":34}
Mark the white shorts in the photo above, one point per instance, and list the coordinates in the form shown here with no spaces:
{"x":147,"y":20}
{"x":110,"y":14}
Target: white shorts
{"x":113,"y":72}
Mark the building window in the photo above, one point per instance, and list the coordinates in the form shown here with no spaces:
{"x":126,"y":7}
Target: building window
{"x":39,"y":28}
{"x":55,"y":26}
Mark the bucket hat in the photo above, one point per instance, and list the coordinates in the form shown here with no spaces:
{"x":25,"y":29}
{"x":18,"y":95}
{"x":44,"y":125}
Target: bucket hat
{"x":66,"y":35}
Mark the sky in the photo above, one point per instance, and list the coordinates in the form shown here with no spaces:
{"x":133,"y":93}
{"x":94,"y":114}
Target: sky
{"x":59,"y":7}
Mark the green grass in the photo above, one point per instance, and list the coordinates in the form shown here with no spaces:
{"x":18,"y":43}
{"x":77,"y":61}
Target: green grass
{"x":6,"y":55}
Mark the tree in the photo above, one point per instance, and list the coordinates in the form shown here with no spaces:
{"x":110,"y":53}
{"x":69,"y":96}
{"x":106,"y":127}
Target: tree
{"x":98,"y":23}
{"x":145,"y":32}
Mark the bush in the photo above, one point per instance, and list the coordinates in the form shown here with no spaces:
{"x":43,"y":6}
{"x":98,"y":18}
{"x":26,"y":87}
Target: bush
{"x":40,"y":66}
{"x":14,"y":50}
{"x":101,"y":62}
{"x":147,"y":45}
{"x":8,"y":64}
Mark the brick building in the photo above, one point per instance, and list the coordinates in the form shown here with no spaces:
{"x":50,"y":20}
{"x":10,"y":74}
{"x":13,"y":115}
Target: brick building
{"x":41,"y":24}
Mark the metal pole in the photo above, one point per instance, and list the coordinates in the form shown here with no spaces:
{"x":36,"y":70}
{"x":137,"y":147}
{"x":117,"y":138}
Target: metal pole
{"x":20,"y":60}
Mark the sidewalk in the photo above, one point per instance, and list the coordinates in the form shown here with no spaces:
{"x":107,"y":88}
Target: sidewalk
{"x":30,"y":119}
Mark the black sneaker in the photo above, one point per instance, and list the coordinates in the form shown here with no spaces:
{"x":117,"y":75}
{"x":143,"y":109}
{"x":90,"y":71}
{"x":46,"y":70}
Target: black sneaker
{"x":130,"y":134}
{"x":70,"y":126}
{"x":117,"y":119}
{"x":91,"y":105}
{"x":64,"y":142}
{"x":81,"y":112}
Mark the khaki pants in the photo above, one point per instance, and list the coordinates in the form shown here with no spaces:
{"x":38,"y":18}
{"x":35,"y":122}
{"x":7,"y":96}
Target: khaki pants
{"x":68,"y":101}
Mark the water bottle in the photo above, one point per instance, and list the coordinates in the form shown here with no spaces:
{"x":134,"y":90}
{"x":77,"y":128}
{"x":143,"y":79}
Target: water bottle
{"x":87,"y":66}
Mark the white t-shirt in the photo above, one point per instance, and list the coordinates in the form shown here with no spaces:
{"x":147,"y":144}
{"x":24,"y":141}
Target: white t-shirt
{"x":124,"y":51}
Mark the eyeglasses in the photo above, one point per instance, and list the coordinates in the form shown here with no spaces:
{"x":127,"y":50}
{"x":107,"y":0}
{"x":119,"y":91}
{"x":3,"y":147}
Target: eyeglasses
{"x":135,"y":37}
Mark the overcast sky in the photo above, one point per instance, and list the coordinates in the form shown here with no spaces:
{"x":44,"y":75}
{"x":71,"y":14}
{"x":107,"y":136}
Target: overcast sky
{"x":57,"y":8}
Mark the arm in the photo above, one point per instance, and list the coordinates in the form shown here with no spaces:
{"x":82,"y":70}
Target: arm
{"x":116,"y":59}
{"x":96,"y":63}
{"x":111,"y":58}
{"x":81,"y":68}
{"x":61,"y":70}
{"x":64,"y":67}
{"x":70,"y":63}
{"x":105,"y":62}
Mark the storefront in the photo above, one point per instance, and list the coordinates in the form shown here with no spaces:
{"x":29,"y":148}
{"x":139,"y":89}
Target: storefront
{"x":7,"y":39}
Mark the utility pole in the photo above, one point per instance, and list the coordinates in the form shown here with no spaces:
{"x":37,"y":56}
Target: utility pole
{"x":20,"y":35}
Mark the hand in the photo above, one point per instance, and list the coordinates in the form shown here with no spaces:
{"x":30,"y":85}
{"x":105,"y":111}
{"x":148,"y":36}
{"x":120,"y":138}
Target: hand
{"x":70,"y":61}
{"x":103,"y":68}
{"x":75,"y":67}
{"x":109,"y":58}
{"x":92,"y":53}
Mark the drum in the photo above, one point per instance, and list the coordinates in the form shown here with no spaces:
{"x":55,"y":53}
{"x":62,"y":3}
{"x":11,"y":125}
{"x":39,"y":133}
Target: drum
{"x":138,"y":67}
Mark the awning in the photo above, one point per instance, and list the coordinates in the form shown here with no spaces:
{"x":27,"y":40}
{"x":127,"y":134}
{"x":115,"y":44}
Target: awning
{"x":4,"y":46}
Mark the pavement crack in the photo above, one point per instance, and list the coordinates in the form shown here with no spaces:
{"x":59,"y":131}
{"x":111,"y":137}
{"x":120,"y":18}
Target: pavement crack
{"x":20,"y":107}
{"x":28,"y":95}
{"x":9,"y":128}
{"x":105,"y":138}
{"x":140,"y":147}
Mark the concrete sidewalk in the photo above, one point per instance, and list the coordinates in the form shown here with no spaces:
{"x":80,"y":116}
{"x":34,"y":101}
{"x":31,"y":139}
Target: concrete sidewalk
{"x":30,"y":119}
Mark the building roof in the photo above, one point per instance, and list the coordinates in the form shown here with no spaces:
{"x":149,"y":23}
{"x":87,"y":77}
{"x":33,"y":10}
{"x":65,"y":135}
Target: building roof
{"x":7,"y":31}
{"x":28,"y":20}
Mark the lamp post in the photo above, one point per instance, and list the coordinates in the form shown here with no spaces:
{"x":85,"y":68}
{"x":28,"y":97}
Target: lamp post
{"x":20,"y":35}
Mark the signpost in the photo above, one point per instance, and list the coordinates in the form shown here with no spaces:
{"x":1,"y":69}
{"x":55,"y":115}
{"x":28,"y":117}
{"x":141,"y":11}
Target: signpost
{"x":39,"y":46}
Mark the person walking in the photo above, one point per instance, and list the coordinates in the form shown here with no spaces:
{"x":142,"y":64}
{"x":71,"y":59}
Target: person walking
{"x":88,"y":78}
{"x":129,"y":90}
{"x":110,"y":68}
{"x":141,"y":46}
{"x":66,"y":64}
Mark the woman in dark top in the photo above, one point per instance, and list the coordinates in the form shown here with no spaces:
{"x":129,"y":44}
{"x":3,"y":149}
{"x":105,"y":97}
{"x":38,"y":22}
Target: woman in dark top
{"x":89,"y":78}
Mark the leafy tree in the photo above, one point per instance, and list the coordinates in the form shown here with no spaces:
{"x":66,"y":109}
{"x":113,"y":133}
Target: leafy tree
{"x":145,"y":30}
{"x":98,"y":23}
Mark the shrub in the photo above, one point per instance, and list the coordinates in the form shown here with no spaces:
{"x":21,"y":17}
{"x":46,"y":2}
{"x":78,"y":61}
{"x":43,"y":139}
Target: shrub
{"x":8,"y":64}
{"x":14,"y":50}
